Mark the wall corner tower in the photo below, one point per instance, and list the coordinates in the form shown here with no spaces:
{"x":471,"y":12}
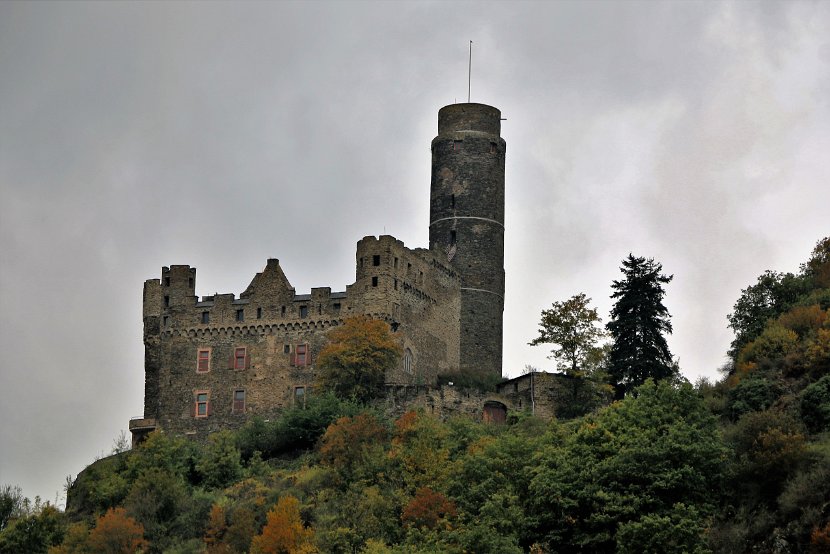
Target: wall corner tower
{"x":467,"y":224}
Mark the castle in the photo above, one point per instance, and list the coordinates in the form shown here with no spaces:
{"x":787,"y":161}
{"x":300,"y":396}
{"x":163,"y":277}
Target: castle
{"x":211,"y":363}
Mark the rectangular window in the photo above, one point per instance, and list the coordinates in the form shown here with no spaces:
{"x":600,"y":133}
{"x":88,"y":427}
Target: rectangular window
{"x":205,"y":318}
{"x":282,"y":311}
{"x":456,"y":145}
{"x":166,"y":301}
{"x":374,"y":281}
{"x":286,"y":349}
{"x":202,"y":408}
{"x":395,"y":283}
{"x":166,"y":321}
{"x":239,"y":401}
{"x":299,"y":397}
{"x":301,"y":355}
{"x":240,"y":358}
{"x":336,"y":306}
{"x":259,"y":313}
{"x":303,"y":311}
{"x":190,"y":282}
{"x":375,"y":260}
{"x":396,"y":263}
{"x":203,"y":361}
{"x":240,"y":315}
{"x":167,"y":281}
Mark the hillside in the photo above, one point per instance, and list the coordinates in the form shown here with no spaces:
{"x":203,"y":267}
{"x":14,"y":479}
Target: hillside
{"x":741,"y":465}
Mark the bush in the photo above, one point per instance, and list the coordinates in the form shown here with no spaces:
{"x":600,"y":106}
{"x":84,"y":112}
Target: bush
{"x":471,"y":380}
{"x":815,"y":405}
{"x":752,"y":394}
{"x":297,"y":429}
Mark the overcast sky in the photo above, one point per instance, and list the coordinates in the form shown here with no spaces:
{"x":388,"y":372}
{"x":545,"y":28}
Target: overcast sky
{"x":138,"y":135}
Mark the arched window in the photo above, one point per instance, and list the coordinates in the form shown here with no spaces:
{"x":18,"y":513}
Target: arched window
{"x":407,"y":360}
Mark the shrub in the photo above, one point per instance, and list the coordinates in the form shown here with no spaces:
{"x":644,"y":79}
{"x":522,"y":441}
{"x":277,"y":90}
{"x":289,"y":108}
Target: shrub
{"x":815,"y":405}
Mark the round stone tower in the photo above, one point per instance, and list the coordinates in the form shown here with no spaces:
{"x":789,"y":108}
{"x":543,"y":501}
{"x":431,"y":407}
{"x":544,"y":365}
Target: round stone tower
{"x":467,"y":224}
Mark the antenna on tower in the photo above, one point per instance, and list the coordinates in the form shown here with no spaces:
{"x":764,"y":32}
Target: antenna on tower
{"x":469,"y":72}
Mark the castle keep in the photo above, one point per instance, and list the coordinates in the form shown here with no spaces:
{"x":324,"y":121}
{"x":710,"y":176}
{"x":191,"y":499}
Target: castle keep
{"x":212,"y":362}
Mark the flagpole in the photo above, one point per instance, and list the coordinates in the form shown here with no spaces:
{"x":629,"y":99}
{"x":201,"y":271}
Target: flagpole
{"x":469,"y":72}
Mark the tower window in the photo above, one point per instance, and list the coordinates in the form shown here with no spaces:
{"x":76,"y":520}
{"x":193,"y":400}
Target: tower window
{"x":205,"y":318}
{"x":165,"y":321}
{"x":240,"y":358}
{"x":301,"y":355}
{"x":493,"y":148}
{"x":259,"y":313}
{"x":376,"y":260}
{"x":202,"y":404}
{"x":203,"y":361}
{"x":286,"y":349}
{"x":396,"y":263}
{"x":167,"y":281}
{"x":456,"y":145}
{"x":453,"y":237}
{"x":239,"y":401}
{"x":395,"y":283}
{"x":303,"y":311}
{"x":374,"y":281}
{"x":452,"y":201}
{"x":336,"y":306}
{"x":166,"y":301}
{"x":407,"y":360}
{"x":240,"y":315}
{"x":299,"y":397}
{"x":282,"y":311}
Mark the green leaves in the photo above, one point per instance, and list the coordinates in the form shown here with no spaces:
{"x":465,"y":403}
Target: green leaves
{"x":572,"y":325}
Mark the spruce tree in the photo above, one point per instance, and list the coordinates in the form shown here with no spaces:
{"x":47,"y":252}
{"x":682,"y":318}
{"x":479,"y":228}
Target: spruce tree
{"x":638,"y":321}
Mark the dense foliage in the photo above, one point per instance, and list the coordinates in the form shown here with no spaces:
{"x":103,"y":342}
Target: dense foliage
{"x":354,"y":362}
{"x":739,"y":466}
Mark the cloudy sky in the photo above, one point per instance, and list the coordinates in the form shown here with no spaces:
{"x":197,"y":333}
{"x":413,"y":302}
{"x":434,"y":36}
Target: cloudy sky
{"x":138,"y":135}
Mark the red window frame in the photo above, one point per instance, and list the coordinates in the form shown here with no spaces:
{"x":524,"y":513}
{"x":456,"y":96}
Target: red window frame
{"x":301,"y":355}
{"x":203,"y":360}
{"x":239,"y":403}
{"x":240,"y":357}
{"x":201,"y":406}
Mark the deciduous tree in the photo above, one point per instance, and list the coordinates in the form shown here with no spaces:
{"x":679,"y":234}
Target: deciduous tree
{"x":116,"y":533}
{"x":638,"y":321}
{"x":284,"y":532}
{"x":359,"y":353}
{"x":572,"y":325}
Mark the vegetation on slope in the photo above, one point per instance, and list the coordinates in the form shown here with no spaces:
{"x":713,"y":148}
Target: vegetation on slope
{"x":737,"y":466}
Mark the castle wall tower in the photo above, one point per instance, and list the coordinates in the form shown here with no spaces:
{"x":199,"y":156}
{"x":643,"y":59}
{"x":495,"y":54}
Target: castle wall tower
{"x":467,"y":224}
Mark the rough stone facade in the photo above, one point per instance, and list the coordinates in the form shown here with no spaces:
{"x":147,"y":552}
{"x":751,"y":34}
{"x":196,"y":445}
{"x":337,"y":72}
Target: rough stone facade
{"x":213,"y":362}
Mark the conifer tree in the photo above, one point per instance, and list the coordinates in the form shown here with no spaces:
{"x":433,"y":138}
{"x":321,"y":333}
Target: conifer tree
{"x":638,"y":321}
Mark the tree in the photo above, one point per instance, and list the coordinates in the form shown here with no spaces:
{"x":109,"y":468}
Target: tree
{"x":220,"y":463}
{"x":355,"y":361}
{"x":572,"y":325}
{"x":648,"y":461}
{"x":771,"y":296}
{"x":353,"y":445}
{"x":638,"y":321}
{"x":116,"y":533}
{"x":284,"y":532}
{"x":427,"y":509}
